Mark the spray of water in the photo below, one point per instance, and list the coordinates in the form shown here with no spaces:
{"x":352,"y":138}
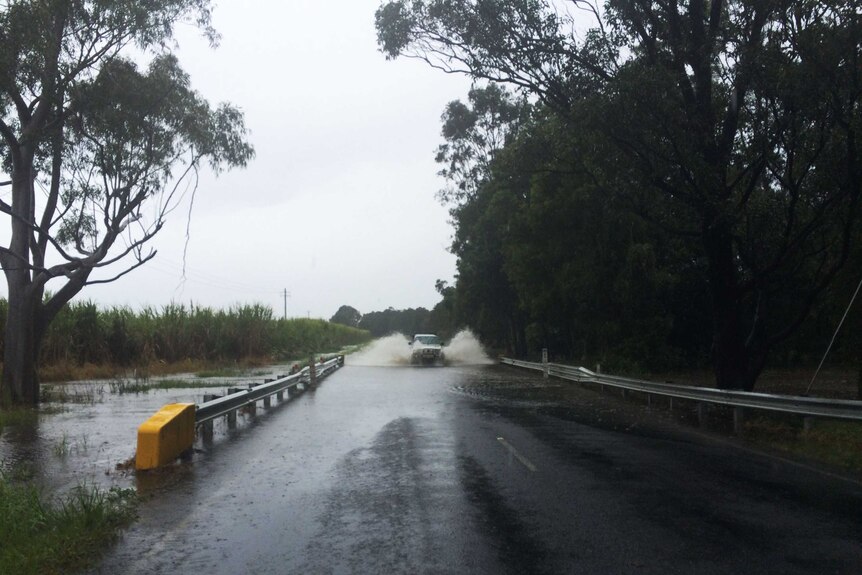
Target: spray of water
{"x":464,"y":349}
{"x":390,"y":350}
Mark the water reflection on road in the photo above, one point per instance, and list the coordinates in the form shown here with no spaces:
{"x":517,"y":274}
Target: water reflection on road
{"x":358,"y":474}
{"x":479,"y":469}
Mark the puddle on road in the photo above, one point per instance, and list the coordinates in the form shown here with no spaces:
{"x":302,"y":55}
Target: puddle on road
{"x":394,"y":350}
{"x":85,"y":429}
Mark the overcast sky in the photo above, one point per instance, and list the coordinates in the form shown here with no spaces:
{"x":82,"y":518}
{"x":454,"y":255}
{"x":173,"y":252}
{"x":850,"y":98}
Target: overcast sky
{"x":339,"y":205}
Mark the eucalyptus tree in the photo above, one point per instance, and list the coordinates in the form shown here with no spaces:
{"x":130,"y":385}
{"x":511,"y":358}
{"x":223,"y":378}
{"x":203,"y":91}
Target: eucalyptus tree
{"x":474,"y":132}
{"x":98,"y":149}
{"x":733,"y":124}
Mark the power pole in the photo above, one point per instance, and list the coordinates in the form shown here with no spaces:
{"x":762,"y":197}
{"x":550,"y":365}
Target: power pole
{"x":286,"y":295}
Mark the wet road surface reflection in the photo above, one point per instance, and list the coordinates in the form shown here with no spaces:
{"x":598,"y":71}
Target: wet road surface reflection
{"x":480,"y":469}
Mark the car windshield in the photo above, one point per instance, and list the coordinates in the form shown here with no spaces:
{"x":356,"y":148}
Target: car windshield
{"x":428,"y":339}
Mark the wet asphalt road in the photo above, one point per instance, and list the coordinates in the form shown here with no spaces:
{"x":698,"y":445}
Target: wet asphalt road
{"x":483,"y":470}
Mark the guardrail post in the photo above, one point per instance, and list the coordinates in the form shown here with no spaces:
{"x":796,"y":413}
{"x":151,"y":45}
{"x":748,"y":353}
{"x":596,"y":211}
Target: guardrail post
{"x":807,"y":423}
{"x":312,"y":372}
{"x":231,"y":420}
{"x":207,"y":432}
{"x":266,"y":400}
{"x":701,"y":413}
{"x":545,"y":369}
{"x":598,"y":371}
{"x":207,"y":427}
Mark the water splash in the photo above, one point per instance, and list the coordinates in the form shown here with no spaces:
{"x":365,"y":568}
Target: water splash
{"x":465,"y":349}
{"x":386,"y":351}
{"x":394,"y":350}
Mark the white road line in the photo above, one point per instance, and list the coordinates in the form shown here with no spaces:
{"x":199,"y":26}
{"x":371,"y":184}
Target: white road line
{"x":526,"y":462}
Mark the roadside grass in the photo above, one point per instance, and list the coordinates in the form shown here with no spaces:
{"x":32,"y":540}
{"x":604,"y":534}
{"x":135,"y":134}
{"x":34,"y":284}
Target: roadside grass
{"x":71,"y":371}
{"x":43,"y":536}
{"x":835,"y":443}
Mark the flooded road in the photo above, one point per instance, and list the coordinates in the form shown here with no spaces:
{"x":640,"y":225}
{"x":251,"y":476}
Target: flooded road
{"x":83,"y":430}
{"x":482,"y":469}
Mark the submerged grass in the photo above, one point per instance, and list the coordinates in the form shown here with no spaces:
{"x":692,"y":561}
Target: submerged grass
{"x":17,"y":416}
{"x":185,"y":384}
{"x":41,"y":536}
{"x":123,"y":386}
{"x":86,"y":395}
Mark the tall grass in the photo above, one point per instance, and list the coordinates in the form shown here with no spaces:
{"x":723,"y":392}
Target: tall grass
{"x":38,"y":536}
{"x":118,"y":336}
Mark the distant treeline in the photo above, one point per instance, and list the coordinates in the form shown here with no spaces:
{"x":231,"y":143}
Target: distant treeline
{"x":406,"y":321}
{"x":83,"y":333}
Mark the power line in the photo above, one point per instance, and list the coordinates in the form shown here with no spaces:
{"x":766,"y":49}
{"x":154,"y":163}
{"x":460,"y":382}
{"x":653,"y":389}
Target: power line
{"x":834,"y":335}
{"x":210,"y":280}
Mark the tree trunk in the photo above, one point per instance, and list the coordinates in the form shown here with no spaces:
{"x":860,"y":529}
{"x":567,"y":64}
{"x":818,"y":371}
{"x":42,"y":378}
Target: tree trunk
{"x":20,"y":385}
{"x":731,"y":358}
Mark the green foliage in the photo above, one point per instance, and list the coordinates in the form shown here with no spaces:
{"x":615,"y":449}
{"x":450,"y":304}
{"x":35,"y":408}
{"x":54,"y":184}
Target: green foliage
{"x":44,"y":537}
{"x":113,"y":147}
{"x":346,"y":315}
{"x":118,"y":336}
{"x":687,"y":183}
{"x":17,"y":416}
{"x":301,"y":337}
{"x":407,"y":321}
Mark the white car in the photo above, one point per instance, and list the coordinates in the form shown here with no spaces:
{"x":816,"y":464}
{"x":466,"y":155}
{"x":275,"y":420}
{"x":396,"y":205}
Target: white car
{"x":426,"y":349}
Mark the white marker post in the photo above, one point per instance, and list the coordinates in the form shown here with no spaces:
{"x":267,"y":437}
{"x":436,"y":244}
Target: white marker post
{"x":545,"y":362}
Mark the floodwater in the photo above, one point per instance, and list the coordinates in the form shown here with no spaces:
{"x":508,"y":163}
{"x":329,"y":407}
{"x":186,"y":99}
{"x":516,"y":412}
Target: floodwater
{"x":86,"y":433}
{"x":385,"y":468}
{"x":487,"y":470}
{"x":88,"y":428}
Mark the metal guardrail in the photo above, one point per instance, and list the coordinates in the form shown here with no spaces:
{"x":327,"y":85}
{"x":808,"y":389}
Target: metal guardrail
{"x":210,"y":410}
{"x":805,"y":406}
{"x":170,"y":432}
